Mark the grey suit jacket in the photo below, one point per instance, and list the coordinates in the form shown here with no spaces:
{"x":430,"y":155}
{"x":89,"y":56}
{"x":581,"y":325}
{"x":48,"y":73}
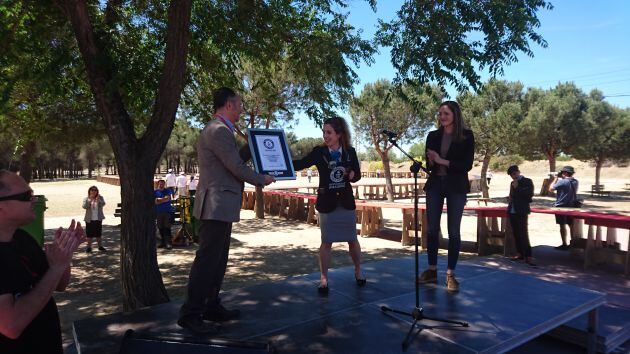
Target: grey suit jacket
{"x":222,"y":172}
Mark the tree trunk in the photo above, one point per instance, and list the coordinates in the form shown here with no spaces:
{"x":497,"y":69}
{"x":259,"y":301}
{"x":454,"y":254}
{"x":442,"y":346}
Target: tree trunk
{"x":141,"y":278}
{"x":599,"y":163}
{"x":260,"y":203}
{"x":136,"y":158}
{"x":484,"y":181}
{"x":26,"y":158}
{"x":388,"y":176}
{"x":551,"y":156}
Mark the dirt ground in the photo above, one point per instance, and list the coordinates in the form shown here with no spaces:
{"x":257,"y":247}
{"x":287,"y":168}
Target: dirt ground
{"x":273,"y":249}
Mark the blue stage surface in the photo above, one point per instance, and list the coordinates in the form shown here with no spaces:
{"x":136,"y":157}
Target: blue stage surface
{"x":505,"y":310}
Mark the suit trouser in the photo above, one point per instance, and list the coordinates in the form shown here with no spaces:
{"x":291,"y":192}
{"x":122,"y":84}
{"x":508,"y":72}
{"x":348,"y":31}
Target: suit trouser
{"x":208,"y":269}
{"x":521,"y":235}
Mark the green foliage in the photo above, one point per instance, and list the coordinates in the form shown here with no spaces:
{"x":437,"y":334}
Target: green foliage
{"x":181,"y":149}
{"x":494,"y":115}
{"x":605,"y":133}
{"x":417,"y":150}
{"x":501,"y":163}
{"x":554,"y":121}
{"x":404,"y":110}
{"x":376,"y":166}
{"x":302,"y":147}
{"x":564,"y":157}
{"x":298,"y":52}
{"x":446,"y":41}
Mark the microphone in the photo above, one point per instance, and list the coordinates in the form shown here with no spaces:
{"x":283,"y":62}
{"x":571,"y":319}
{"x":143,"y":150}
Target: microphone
{"x":390,"y":134}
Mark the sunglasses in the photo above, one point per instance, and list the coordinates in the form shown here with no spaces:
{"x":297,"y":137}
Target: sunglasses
{"x":22,"y":197}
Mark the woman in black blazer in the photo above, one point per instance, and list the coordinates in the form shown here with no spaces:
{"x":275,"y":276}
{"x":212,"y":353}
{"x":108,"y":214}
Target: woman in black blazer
{"x":450,"y":151}
{"x":338,"y":165}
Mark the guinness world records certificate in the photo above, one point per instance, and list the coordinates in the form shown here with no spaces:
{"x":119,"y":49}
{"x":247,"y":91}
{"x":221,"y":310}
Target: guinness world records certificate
{"x":270,"y":153}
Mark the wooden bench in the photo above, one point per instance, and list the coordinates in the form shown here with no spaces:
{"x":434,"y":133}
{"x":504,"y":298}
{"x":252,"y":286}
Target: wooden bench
{"x":599,"y":190}
{"x":494,"y":232}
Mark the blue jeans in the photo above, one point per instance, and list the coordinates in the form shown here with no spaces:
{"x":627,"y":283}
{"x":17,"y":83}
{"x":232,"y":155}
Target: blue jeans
{"x":455,"y":203}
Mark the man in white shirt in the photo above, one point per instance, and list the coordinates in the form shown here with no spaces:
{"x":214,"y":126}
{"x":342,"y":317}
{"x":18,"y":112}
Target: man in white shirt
{"x":181,"y":184}
{"x":171,"y":181}
{"x":192,"y":185}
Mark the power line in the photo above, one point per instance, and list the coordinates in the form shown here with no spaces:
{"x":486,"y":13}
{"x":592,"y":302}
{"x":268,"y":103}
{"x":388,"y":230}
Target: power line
{"x":582,"y":76}
{"x":605,"y":83}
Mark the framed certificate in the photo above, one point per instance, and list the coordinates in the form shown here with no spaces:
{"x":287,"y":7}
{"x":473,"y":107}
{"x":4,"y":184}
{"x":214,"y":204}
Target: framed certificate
{"x":270,"y":153}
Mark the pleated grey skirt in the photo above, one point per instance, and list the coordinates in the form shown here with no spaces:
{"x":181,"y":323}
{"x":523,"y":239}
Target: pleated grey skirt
{"x":340,"y":225}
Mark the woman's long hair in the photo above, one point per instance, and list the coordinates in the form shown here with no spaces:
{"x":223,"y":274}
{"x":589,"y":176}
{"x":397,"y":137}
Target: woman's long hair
{"x":340,"y":126}
{"x":458,"y":120}
{"x":93,"y":188}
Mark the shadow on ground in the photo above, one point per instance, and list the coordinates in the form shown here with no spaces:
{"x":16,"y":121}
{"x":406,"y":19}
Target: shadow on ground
{"x":95,"y":285}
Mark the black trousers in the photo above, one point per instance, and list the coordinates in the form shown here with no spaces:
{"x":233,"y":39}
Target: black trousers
{"x":521,"y":235}
{"x":208,"y":269}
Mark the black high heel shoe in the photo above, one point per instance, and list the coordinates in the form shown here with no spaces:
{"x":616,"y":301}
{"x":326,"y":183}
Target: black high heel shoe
{"x":322,"y":290}
{"x":361,"y":282}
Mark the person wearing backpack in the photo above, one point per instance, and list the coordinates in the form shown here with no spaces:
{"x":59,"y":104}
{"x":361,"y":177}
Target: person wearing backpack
{"x":566,"y":187}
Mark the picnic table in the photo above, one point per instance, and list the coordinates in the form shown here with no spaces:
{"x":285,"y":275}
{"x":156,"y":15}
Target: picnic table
{"x":494,"y":233}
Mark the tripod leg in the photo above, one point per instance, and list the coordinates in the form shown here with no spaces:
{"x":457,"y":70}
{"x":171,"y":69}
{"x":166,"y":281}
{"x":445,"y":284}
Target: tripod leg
{"x":463,"y":324}
{"x":405,"y":343}
{"x":386,"y":309}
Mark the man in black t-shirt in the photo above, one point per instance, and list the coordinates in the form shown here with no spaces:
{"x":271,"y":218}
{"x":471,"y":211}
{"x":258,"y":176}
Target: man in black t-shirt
{"x":29,"y":321}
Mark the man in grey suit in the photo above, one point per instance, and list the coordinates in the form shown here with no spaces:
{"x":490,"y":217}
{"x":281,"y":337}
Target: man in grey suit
{"x":217,"y":205}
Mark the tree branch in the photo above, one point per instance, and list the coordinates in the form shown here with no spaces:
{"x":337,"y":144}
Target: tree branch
{"x":108,"y":100}
{"x":111,"y":12}
{"x":172,"y":80}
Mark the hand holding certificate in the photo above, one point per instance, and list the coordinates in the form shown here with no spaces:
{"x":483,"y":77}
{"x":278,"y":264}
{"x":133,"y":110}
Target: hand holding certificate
{"x":270,"y":153}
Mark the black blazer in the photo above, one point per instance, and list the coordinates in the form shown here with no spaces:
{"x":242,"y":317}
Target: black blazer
{"x":328,"y":199}
{"x":460,"y":156}
{"x":521,"y":196}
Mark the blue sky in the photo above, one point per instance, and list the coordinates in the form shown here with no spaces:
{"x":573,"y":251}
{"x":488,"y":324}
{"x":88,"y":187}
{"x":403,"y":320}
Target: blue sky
{"x":588,"y":43}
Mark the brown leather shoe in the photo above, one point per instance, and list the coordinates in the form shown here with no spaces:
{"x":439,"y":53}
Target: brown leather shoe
{"x":451,"y":283}
{"x":428,"y":276}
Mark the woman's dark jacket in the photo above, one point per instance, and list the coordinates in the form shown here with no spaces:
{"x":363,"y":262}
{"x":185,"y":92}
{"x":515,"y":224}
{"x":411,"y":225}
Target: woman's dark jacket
{"x":460,"y":156}
{"x":327,"y":198}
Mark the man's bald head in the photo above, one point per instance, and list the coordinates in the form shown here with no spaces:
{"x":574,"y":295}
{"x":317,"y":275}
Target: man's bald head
{"x":9,"y":181}
{"x":17,"y":210}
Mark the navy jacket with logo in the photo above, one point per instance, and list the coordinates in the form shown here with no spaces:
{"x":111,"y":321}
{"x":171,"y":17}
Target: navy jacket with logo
{"x":331,"y":175}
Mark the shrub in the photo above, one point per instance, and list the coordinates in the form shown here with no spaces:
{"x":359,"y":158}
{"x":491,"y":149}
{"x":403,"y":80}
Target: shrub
{"x":501,"y":163}
{"x":564,"y":158}
{"x":376,"y":165}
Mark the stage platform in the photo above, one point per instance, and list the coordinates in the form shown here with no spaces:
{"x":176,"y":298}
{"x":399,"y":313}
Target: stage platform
{"x":505,"y":310}
{"x":563,"y":267}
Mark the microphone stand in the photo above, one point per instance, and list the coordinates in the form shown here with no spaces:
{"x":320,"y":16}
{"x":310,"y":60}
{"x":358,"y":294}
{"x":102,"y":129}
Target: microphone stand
{"x":417,"y":313}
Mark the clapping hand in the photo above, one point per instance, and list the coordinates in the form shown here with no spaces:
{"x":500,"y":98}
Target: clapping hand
{"x":59,"y":252}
